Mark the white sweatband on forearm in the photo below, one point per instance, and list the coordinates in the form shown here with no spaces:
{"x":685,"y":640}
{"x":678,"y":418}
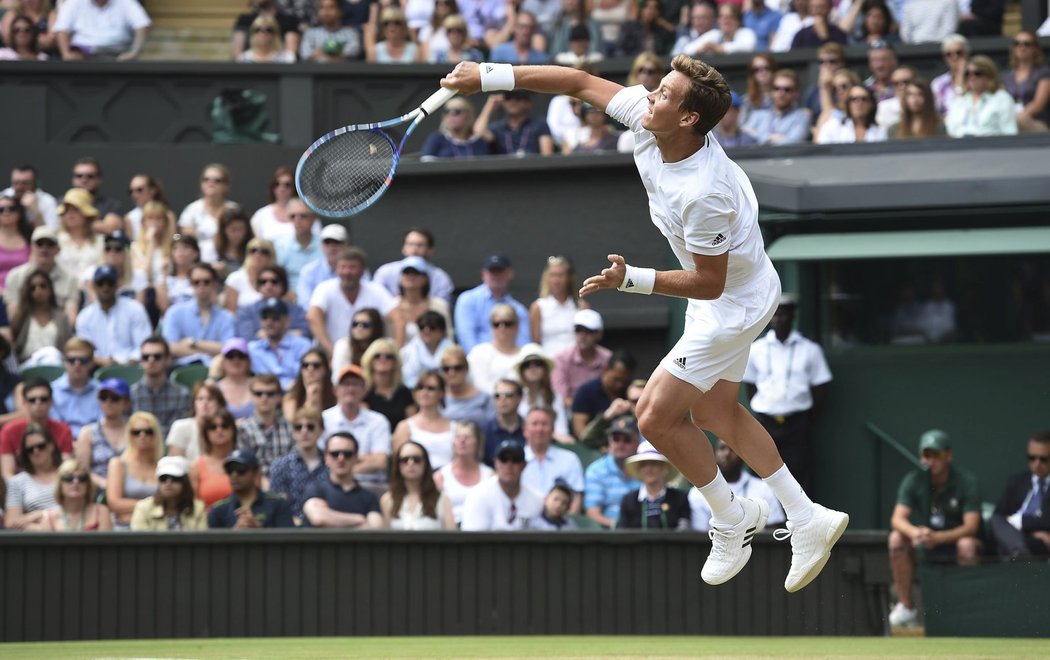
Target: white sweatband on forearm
{"x":496,"y":77}
{"x":638,"y":280}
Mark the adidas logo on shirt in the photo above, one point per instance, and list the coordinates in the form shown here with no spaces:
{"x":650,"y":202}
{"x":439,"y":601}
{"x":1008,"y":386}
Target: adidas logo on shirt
{"x":680,"y":362}
{"x":719,"y":239}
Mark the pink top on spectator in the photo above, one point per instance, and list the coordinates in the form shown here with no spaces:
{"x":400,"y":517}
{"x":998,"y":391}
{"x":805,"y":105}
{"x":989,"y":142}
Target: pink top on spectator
{"x":9,"y":259}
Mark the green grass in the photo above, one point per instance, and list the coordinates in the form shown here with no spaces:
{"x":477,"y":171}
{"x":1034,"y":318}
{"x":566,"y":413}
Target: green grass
{"x":542,"y":647}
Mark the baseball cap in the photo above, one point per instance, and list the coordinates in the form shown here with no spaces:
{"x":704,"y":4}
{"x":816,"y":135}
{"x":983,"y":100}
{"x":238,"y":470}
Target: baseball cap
{"x":496,"y":260}
{"x":624,"y":424}
{"x":245,"y":457}
{"x":511,"y":449}
{"x":273,"y":306}
{"x":117,"y":386}
{"x":935,"y":440}
{"x":235,"y":344}
{"x":416,"y":263}
{"x":103,"y":273}
{"x":172,"y":466}
{"x":588,"y":318}
{"x":350,"y":370}
{"x":79,"y":199}
{"x":579,"y":33}
{"x":118,"y":236}
{"x":334,"y":232}
{"x":44,"y":233}
{"x":563,"y":486}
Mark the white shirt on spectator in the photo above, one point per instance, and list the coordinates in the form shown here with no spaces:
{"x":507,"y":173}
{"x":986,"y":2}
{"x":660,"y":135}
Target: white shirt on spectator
{"x":784,"y":372}
{"x":744,"y":41}
{"x":888,"y":111}
{"x":118,"y":333}
{"x":747,"y":486}
{"x":206,"y":225}
{"x":369,"y":428}
{"x":487,"y":365}
{"x":686,"y":39}
{"x":841,"y":132}
{"x":338,"y":311}
{"x":557,"y":464}
{"x":994,"y":114}
{"x":487,"y":508}
{"x":45,"y":203}
{"x":109,"y":28}
{"x":929,"y":20}
{"x":789,"y":26}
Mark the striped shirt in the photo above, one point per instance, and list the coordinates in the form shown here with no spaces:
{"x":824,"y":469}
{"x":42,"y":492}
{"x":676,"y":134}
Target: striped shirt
{"x":606,"y":486}
{"x":26,"y":492}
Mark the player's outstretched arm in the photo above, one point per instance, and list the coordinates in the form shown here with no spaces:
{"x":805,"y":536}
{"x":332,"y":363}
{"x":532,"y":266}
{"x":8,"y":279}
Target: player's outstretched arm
{"x":706,"y":282}
{"x":466,"y":79}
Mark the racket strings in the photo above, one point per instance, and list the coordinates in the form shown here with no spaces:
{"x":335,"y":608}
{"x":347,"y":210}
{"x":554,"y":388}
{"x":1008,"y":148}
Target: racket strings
{"x":347,"y":171}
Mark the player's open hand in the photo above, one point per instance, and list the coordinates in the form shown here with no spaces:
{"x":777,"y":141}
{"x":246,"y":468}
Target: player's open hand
{"x":465,"y":78}
{"x":610,"y":278}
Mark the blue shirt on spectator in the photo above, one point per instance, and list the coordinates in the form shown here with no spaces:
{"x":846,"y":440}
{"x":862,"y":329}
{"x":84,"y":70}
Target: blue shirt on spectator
{"x":290,"y":475}
{"x":355,"y":500}
{"x":184,"y":320}
{"x":506,"y":52}
{"x":495,"y":434}
{"x":439,"y":145}
{"x":117,"y":333}
{"x":790,"y":127}
{"x":293,"y":256}
{"x":591,"y":398}
{"x":473,"y":310}
{"x":522,"y":140}
{"x":76,"y":408}
{"x":606,"y":484}
{"x":310,"y":276}
{"x":269,"y":509}
{"x":247,"y":322}
{"x":763,"y":24}
{"x":282,"y":361}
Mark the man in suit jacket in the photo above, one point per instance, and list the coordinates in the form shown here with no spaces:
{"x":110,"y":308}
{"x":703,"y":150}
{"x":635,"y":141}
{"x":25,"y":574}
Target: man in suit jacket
{"x":1021,"y":523}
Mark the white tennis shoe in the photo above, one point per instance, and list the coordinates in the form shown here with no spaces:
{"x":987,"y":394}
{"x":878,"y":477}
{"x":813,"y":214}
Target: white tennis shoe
{"x":811,"y":545}
{"x":731,"y":546}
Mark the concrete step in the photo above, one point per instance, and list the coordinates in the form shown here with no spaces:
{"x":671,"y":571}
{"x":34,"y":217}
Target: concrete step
{"x":188,"y":44}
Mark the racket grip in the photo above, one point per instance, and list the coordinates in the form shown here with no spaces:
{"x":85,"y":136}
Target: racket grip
{"x":436,"y":100}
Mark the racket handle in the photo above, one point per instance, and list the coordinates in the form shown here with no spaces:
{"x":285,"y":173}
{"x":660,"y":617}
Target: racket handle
{"x":436,"y":100}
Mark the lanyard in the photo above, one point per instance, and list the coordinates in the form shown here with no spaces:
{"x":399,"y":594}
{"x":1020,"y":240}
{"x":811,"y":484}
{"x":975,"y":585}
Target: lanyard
{"x":791,"y":360}
{"x":523,"y":141}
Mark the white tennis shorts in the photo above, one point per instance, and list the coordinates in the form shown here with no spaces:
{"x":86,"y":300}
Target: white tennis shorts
{"x":719,"y":333}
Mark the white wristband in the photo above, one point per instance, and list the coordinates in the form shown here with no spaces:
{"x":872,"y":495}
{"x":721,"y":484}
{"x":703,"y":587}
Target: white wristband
{"x":496,"y":77}
{"x":638,"y":280}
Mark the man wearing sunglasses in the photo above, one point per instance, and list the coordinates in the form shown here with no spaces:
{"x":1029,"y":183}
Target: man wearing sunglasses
{"x":370,"y":430}
{"x":338,"y":500}
{"x":42,"y":256}
{"x":36,"y":392}
{"x":87,"y":174}
{"x":116,"y":325}
{"x":1021,"y":522}
{"x":606,"y":481}
{"x":503,"y":503}
{"x":249,"y":507}
{"x":272,"y":283}
{"x":936,"y":519}
{"x":266,"y":432}
{"x":75,"y":393}
{"x":196,"y":329}
{"x":155,"y":393}
{"x":277,"y":351}
{"x":41,"y":207}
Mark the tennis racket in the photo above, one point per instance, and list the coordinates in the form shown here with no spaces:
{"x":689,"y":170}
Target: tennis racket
{"x":346,"y":171}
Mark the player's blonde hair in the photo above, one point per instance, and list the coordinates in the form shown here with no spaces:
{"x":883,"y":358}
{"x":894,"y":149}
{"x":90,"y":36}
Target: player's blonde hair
{"x":708,"y":94}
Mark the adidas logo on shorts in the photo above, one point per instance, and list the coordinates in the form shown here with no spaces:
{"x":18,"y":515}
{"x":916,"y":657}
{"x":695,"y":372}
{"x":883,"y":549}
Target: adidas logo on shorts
{"x":680,"y":362}
{"x":719,"y":239}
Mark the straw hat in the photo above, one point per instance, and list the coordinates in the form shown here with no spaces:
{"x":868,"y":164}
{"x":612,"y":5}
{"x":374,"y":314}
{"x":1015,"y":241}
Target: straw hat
{"x":646,"y":453}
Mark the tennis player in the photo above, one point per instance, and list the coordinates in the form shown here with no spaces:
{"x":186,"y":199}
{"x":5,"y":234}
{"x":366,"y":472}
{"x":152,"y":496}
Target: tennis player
{"x":703,"y":203}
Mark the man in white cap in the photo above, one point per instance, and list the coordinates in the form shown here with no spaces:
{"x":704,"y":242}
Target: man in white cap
{"x":418,"y":242}
{"x":333,"y":239}
{"x":42,"y":257}
{"x":654,"y":505}
{"x":583,"y":361}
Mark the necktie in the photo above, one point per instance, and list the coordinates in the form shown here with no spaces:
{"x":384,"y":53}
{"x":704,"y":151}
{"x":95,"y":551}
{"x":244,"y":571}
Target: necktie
{"x":1036,"y":500}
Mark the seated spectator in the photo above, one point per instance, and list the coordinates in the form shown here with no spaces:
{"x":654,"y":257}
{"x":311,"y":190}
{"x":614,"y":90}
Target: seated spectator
{"x":331,"y":41}
{"x":32,"y":492}
{"x":414,"y":501}
{"x":265,"y":432}
{"x":337,"y":499}
{"x":218,"y":441}
{"x":173,"y":508}
{"x":928,"y":20}
{"x":555,"y":509}
{"x":36,"y":392}
{"x":533,"y":371}
{"x":492,"y":360}
{"x":231,"y":240}
{"x":563,"y":112}
{"x":1019,"y":526}
{"x":729,"y":37}
{"x":518,"y":133}
{"x":456,"y":47}
{"x":594,"y":135}
{"x":655,"y":505}
{"x":132,"y":475}
{"x":101,"y":29}
{"x":272,"y":222}
{"x":370,"y":430}
{"x":335,"y":302}
{"x":727,"y":131}
{"x":507,"y":422}
{"x":432,"y":36}
{"x":882,"y":62}
{"x":951,"y":83}
{"x":984,"y":108}
{"x":784,"y":122}
{"x":701,"y":21}
{"x":202,"y":218}
{"x":38,"y":323}
{"x":300,"y":247}
{"x":40,"y":206}
{"x":42,"y":257}
{"x":821,"y":30}
{"x":115,"y":325}
{"x":503,"y":503}
{"x":175,"y":287}
{"x":759,"y":84}
{"x":417,"y":242}
{"x":763,"y":21}
{"x":386,"y":395}
{"x":875,"y":24}
{"x":312,"y":386}
{"x":596,"y":434}
{"x":463,"y":401}
{"x":834,"y":96}
{"x":649,"y":33}
{"x":606,"y":481}
{"x":585,"y":360}
{"x":519,"y":50}
{"x":919,"y":118}
{"x":156,"y":393}
{"x":474,"y":307}
{"x":413,"y":300}
{"x":143,"y":189}
{"x":80,"y":247}
{"x":581,"y":49}
{"x":248,"y":506}
{"x":937,"y":518}
{"x":15,"y":236}
{"x":130,"y":283}
{"x":366,"y":327}
{"x":196,"y":329}
{"x":231,"y":371}
{"x":75,"y":507}
{"x":574,"y":13}
{"x":107,"y":437}
{"x":831,"y":57}
{"x":1028,"y":82}
{"x":743,"y":484}
{"x":859,"y":123}
{"x":183,"y":437}
{"x":291,"y":473}
{"x":272,"y":283}
{"x":75,"y":393}
{"x":23,"y":39}
{"x":241,"y":286}
{"x":551,"y":315}
{"x":546,"y":464}
{"x":151,"y":251}
{"x":456,"y":137}
{"x":396,"y":45}
{"x":277,"y":351}
{"x":465,"y":471}
{"x":288,"y":25}
{"x":423,"y":353}
{"x":596,"y":395}
{"x":984,"y":19}
{"x":87,"y":176}
{"x":888,"y":111}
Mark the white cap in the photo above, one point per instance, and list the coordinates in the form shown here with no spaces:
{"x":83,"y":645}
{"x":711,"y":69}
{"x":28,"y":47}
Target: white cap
{"x":334,"y":231}
{"x":589,"y":319}
{"x":172,"y":466}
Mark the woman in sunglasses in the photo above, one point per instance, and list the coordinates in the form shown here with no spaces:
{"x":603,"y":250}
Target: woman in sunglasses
{"x":265,"y":44}
{"x":271,"y":221}
{"x":395,"y":44}
{"x":463,"y":401}
{"x":15,"y":236}
{"x":1028,"y":82}
{"x":423,"y":353}
{"x":173,"y":507}
{"x":366,"y":326}
{"x":834,"y":90}
{"x":175,"y":286}
{"x":32,"y":492}
{"x":76,"y":510}
{"x":428,"y":427}
{"x":858,"y":125}
{"x":456,"y":137}
{"x":38,"y":322}
{"x":386,"y":395}
{"x":184,"y":435}
{"x":534,"y":374}
{"x":984,"y":108}
{"x":232,"y":371}
{"x":200,"y":218}
{"x":414,"y":501}
{"x":242,"y":284}
{"x":492,"y":360}
{"x":312,"y":387}
{"x":218,"y":434}
{"x":107,"y":438}
{"x":133,"y":475}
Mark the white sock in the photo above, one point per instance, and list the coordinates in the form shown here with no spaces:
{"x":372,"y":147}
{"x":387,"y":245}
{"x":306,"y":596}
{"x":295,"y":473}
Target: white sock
{"x":725,"y":508}
{"x":797,"y":505}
